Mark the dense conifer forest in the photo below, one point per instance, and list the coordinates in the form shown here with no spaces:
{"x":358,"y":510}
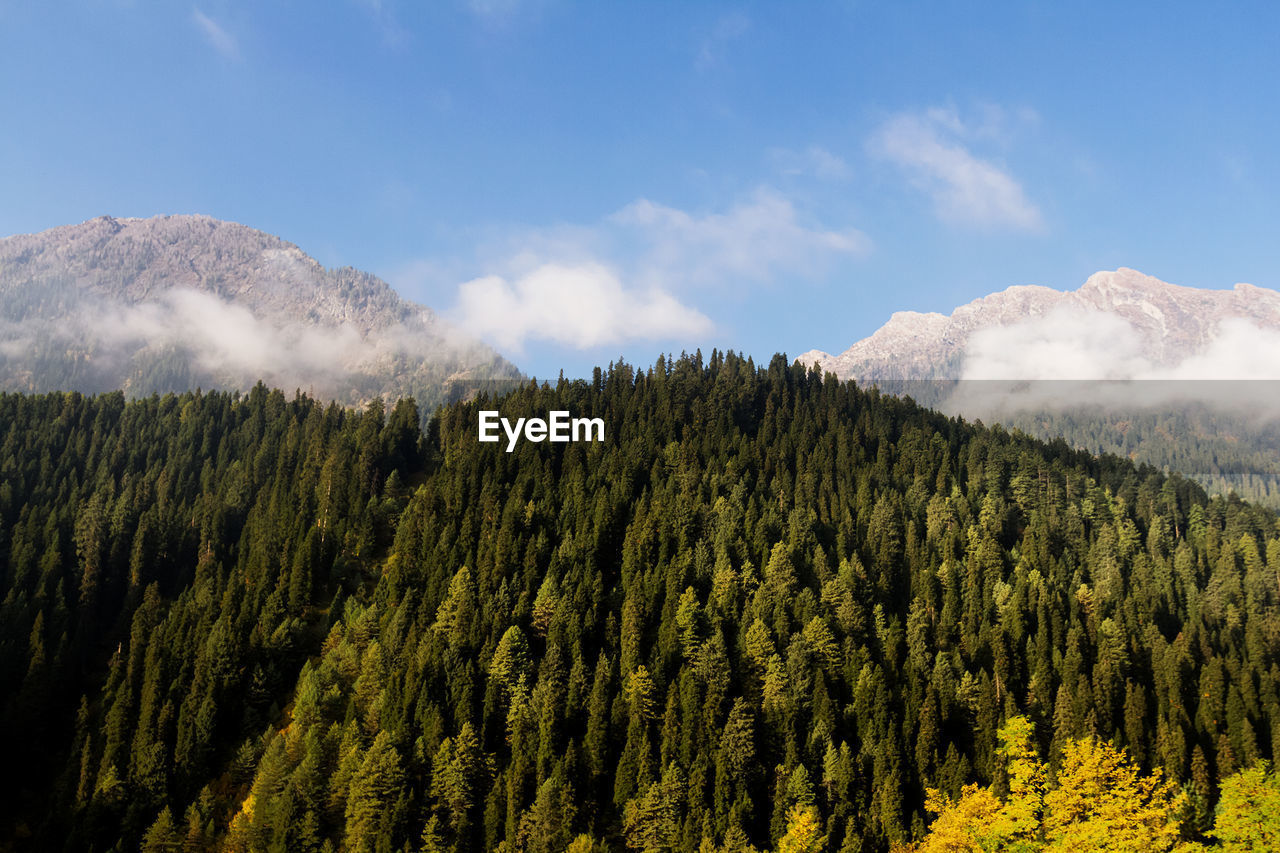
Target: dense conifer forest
{"x":1225,"y":451}
{"x":770,"y":611}
{"x":1219,"y":433}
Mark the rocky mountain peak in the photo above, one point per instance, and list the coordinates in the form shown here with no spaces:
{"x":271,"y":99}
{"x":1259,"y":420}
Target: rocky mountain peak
{"x":1165,"y":323}
{"x":171,"y":302}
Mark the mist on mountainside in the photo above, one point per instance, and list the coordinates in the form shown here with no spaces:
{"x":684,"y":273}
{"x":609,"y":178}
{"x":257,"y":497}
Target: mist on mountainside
{"x":181,"y":302}
{"x":1182,"y":378}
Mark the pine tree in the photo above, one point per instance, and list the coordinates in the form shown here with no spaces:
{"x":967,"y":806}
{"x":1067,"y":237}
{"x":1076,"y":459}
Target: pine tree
{"x":370,"y":810}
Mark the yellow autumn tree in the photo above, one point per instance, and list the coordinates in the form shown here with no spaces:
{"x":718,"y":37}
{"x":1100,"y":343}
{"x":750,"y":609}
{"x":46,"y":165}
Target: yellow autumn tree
{"x":961,"y":825}
{"x":1100,"y":802}
{"x":584,"y":844}
{"x":804,"y":831}
{"x":980,"y":820}
{"x":1016,"y":826}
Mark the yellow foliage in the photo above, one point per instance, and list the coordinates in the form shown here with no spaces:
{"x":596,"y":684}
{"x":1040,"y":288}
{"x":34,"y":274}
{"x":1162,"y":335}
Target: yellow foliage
{"x":1102,"y":803}
{"x":238,"y":829}
{"x":804,"y":832}
{"x":1018,"y":821}
{"x":583,"y":844}
{"x":962,"y":824}
{"x":246,"y":808}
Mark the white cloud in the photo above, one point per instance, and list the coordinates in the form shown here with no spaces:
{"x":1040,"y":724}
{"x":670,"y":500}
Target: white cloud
{"x":1239,"y":350}
{"x":1070,"y":357}
{"x":226,"y":338}
{"x":966,"y":189}
{"x":1065,"y":343}
{"x":713,"y":47}
{"x":228,"y":344}
{"x":1074,"y":343}
{"x":579,"y":306}
{"x":625,"y":277}
{"x":221,"y":40}
{"x":754,"y":240}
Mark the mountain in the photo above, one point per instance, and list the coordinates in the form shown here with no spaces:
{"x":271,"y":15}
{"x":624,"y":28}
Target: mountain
{"x":178,"y":302}
{"x":1127,"y":312}
{"x":767,"y":606}
{"x":1152,"y":357}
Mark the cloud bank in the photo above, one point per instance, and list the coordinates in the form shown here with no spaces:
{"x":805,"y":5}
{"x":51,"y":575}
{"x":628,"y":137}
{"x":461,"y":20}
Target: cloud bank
{"x":223,"y":345}
{"x":579,"y":306}
{"x":1073,"y":357}
{"x":1065,"y":343}
{"x":930,"y":148}
{"x":1073,"y":343}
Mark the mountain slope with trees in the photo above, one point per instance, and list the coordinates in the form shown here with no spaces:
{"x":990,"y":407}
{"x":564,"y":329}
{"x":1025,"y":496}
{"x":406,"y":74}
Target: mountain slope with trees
{"x":1120,"y":325}
{"x":1222,"y":435}
{"x":771,"y":610}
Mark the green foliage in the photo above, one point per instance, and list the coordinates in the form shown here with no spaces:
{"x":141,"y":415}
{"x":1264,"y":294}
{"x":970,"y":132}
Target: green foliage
{"x":770,"y":607}
{"x":173,"y":561}
{"x":1248,"y":816}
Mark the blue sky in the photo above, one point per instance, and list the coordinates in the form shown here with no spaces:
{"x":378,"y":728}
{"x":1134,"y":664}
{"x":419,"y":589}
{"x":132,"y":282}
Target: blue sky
{"x":581,"y":181}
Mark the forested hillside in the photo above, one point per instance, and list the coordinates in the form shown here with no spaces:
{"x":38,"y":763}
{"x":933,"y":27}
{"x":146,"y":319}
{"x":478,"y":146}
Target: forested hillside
{"x":168,"y":565}
{"x":1221,"y":434}
{"x":1223,"y":450}
{"x":768,"y":599}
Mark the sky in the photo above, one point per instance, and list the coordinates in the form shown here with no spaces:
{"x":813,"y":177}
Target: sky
{"x":579,"y":182}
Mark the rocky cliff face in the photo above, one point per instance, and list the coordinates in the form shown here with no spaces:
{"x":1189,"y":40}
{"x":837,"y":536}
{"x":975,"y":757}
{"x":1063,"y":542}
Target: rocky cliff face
{"x":1142,"y":324}
{"x":176,"y":302}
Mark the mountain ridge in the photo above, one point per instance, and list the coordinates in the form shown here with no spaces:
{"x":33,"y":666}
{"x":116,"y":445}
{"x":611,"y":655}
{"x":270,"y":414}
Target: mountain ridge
{"x":1168,"y":320}
{"x":1118,"y":326}
{"x":173,"y":302}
